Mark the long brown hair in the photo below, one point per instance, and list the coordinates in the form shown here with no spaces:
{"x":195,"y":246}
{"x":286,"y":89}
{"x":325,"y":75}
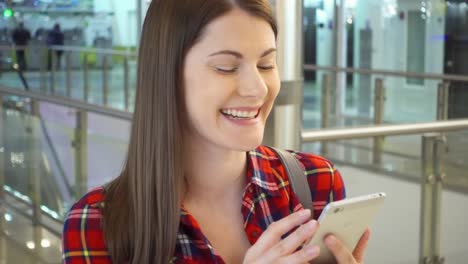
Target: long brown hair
{"x":142,"y":206}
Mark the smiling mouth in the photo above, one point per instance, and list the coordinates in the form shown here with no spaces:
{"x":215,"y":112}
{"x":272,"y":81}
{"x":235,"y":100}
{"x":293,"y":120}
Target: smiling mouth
{"x":241,"y":115}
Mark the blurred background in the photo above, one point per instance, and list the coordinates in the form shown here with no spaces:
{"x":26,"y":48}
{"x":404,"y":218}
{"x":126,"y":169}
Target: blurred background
{"x":380,"y":87}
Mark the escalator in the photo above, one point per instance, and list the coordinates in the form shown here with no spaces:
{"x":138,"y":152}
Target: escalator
{"x":30,"y":151}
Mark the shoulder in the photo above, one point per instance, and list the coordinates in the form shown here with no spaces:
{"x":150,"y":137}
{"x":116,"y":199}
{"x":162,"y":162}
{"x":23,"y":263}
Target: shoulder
{"x":314,"y":165}
{"x":94,"y":199}
{"x":83,"y":235}
{"x":322,"y":175}
{"x":324,"y":180}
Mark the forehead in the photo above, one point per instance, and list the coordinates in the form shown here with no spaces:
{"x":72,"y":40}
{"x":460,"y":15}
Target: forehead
{"x":238,"y":30}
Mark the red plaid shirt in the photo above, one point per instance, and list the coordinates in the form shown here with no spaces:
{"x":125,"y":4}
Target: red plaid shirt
{"x":267,"y":198}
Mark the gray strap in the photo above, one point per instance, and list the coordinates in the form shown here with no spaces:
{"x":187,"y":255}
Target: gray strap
{"x":297,"y":178}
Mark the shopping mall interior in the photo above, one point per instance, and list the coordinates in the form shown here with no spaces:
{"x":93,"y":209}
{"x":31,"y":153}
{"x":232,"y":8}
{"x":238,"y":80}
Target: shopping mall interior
{"x":383,"y":93}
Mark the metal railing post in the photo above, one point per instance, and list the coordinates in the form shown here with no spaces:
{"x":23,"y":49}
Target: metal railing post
{"x":85,"y":77}
{"x":105,"y":88}
{"x":287,"y":111}
{"x":80,"y":144}
{"x":427,"y":182}
{"x":3,"y":247}
{"x":443,"y":100}
{"x":325,"y":122}
{"x":42,"y":69}
{"x":69,"y":73}
{"x":439,"y":172}
{"x":2,"y":185}
{"x":34,"y":160}
{"x":126,"y":85}
{"x":379,"y":108}
{"x":431,"y":197}
{"x":52,"y":71}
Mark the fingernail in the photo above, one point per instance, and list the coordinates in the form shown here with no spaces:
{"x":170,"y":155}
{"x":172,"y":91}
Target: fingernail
{"x":312,"y":251}
{"x":305,"y":212}
{"x":330,"y":240}
{"x":367,"y":234}
{"x":311,"y":225}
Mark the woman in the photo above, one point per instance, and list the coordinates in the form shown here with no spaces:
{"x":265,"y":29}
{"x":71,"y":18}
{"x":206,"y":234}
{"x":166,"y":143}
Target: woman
{"x":196,"y":186}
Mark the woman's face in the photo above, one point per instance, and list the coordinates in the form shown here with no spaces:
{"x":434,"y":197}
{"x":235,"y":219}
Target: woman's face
{"x":230,"y":81}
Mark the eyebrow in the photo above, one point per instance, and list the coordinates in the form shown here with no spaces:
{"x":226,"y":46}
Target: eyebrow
{"x":238,"y":54}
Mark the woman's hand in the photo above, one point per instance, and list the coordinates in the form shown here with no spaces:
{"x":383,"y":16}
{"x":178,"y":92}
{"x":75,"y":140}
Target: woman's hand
{"x":342,"y":254}
{"x":269,"y":248}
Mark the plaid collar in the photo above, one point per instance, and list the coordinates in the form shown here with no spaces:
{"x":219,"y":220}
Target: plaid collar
{"x":262,"y":171}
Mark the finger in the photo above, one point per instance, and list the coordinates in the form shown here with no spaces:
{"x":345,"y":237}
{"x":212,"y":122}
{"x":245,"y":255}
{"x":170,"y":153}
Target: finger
{"x":304,"y":255}
{"x":339,"y":250}
{"x":290,"y":244}
{"x":361,"y":247}
{"x":273,"y":234}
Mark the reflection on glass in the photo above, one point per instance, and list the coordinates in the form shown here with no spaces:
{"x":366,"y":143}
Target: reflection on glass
{"x":416,"y":45}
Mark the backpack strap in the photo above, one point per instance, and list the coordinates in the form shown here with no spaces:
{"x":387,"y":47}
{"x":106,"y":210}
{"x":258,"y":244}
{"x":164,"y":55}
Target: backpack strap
{"x":297,"y":178}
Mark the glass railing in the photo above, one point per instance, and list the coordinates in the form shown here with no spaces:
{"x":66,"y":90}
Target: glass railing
{"x":98,"y":76}
{"x":51,"y":154}
{"x":365,"y":97}
{"x":426,"y":184}
{"x":401,"y":156}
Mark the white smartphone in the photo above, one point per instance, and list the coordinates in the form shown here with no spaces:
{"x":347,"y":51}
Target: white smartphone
{"x":347,"y":219}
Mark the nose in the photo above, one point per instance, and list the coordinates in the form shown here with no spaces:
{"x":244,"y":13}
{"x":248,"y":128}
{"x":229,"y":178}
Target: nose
{"x":252,"y":84}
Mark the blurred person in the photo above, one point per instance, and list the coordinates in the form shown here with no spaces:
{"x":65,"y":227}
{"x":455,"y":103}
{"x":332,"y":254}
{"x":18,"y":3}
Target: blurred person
{"x":21,"y":37}
{"x":197,"y":185}
{"x":55,"y":37}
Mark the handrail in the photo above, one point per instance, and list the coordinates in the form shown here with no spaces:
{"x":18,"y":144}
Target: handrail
{"x":386,"y":130}
{"x":73,"y":49}
{"x":28,"y":204}
{"x":93,"y":50}
{"x":12,"y":47}
{"x":447,"y":77}
{"x":63,"y":101}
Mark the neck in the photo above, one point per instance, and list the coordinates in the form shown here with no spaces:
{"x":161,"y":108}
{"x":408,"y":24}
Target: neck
{"x":214,"y":175}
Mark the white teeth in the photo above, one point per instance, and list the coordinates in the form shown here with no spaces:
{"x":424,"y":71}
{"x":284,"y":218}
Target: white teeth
{"x":240,"y":114}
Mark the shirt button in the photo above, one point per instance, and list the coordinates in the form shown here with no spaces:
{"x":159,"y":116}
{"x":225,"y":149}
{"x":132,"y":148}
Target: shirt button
{"x":254,"y":234}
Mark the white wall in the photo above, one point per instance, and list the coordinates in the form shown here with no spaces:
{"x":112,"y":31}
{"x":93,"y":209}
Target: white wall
{"x":409,"y":102}
{"x":405,"y":103}
{"x":325,"y":34}
{"x":124,"y":27}
{"x":324,"y":45}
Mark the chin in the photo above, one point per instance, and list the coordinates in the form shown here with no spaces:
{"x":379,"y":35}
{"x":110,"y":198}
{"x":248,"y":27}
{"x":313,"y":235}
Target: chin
{"x":245,"y":143}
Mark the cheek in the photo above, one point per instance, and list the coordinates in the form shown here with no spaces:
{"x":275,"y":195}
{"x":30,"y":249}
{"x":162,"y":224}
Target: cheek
{"x":276,"y":90}
{"x":204,"y":96}
{"x":274,"y":87}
